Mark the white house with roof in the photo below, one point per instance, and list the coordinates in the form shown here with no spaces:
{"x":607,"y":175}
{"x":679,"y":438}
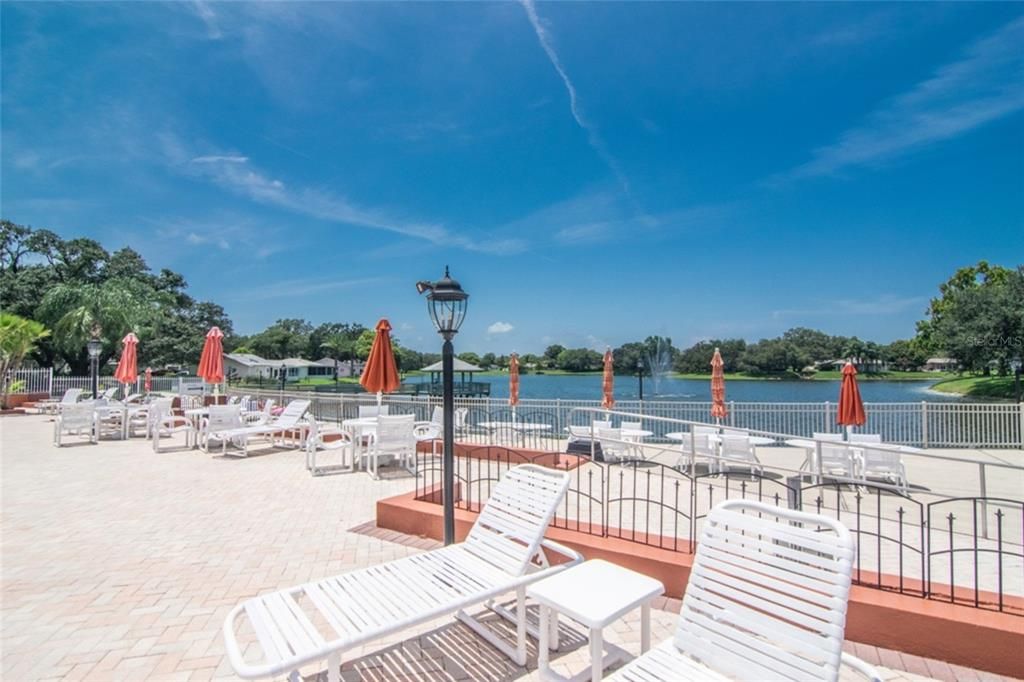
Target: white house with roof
{"x":249,"y":366}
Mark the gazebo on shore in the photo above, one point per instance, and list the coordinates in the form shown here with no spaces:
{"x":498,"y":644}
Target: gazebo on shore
{"x":464,"y":387}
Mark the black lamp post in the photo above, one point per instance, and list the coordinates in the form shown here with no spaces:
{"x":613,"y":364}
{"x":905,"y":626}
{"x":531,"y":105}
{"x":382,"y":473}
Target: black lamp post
{"x":284,"y":368}
{"x":640,"y":375}
{"x":447,"y":302}
{"x":95,"y":347}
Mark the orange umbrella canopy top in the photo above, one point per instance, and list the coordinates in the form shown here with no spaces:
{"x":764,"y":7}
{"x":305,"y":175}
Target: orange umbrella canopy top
{"x":211,"y":363}
{"x":718,"y":410}
{"x":380,"y":375}
{"x":851,"y":408}
{"x":127,"y":367}
{"x":513,"y":380}
{"x":608,"y":381}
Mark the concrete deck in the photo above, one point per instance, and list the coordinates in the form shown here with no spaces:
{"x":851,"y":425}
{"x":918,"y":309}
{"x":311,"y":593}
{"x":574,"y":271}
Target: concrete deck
{"x":121,"y":564}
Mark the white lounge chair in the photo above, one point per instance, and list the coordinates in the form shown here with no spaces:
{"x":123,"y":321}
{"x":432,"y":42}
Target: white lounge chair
{"x":262,"y":416}
{"x":77,"y":419}
{"x":766,"y":600}
{"x":613,"y":448}
{"x":504,"y":552}
{"x":838,"y":460}
{"x":70,"y":397}
{"x":697,"y":446}
{"x":288,"y":421}
{"x":865,"y":438}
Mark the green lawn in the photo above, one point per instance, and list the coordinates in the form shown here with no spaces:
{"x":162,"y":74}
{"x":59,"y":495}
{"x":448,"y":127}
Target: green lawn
{"x":979,"y":387}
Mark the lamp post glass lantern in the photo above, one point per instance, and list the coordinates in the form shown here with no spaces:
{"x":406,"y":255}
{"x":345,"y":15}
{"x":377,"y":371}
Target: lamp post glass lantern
{"x":446,"y":303}
{"x":95,"y":347}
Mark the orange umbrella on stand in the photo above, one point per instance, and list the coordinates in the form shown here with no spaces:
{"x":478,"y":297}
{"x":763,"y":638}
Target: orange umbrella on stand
{"x":380,"y":375}
{"x":127,"y":367}
{"x":851,"y":408}
{"x":513,"y":384}
{"x":149,"y":380}
{"x":718,"y":410}
{"x":211,"y":362}
{"x":608,"y":381}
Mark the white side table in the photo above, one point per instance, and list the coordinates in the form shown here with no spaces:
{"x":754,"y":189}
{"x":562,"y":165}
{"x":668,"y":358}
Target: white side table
{"x":594,"y":594}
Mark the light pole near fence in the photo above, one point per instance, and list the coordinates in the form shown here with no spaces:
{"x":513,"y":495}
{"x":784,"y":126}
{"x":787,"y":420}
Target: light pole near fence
{"x":95,"y":347}
{"x":447,"y":303}
{"x":283,"y":370}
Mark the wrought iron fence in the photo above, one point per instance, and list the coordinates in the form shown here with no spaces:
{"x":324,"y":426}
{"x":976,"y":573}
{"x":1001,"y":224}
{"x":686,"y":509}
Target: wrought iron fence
{"x":901,"y":547}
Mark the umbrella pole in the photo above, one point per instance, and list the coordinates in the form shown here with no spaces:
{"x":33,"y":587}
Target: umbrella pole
{"x":380,"y":399}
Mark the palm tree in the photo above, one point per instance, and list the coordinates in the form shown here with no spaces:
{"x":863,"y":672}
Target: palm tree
{"x":340,"y":347}
{"x":18,"y":337}
{"x":78,"y":312}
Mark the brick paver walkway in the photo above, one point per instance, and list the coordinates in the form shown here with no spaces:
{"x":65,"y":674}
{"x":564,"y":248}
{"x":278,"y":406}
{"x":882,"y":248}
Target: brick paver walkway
{"x":121,"y":564}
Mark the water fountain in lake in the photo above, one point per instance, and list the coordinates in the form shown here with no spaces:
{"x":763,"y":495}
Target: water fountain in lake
{"x":659,"y":362}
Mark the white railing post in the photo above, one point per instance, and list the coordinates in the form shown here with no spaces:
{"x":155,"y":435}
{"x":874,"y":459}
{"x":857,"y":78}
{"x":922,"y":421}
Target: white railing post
{"x":924,"y":424}
{"x":49,"y":383}
{"x":1020,"y":427}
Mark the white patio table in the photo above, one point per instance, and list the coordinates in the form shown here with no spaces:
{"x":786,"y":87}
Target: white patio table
{"x":520,"y":428}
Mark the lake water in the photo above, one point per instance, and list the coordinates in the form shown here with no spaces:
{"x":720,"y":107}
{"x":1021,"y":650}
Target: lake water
{"x":588,"y":387}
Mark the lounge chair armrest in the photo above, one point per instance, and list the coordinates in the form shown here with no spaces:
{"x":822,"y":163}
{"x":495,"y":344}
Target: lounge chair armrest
{"x":557,"y":547}
{"x":865,"y":669}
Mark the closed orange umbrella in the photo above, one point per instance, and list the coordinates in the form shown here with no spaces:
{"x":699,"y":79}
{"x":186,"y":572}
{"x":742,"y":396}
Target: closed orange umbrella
{"x":211,"y":362}
{"x":851,"y":408}
{"x":380,"y":375}
{"x":513,"y":380}
{"x":608,"y":381}
{"x":127,"y":367}
{"x":718,"y":410}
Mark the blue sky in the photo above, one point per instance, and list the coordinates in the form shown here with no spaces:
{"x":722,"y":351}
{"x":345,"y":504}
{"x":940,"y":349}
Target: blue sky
{"x":592,"y":173}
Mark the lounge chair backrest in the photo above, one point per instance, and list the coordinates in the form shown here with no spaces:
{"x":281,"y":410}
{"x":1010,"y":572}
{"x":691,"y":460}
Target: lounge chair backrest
{"x":232,"y":400}
{"x":437,"y":416}
{"x":74,"y":416}
{"x":726,"y":431}
{"x":636,"y":426}
{"x":71,"y":396}
{"x":767,"y":593}
{"x":827,"y":436}
{"x":109,"y":393}
{"x":601,"y":424}
{"x":706,"y":430}
{"x":396,"y":430}
{"x":368,"y":411}
{"x":865,"y":438}
{"x":293,"y":413}
{"x":698,"y":443}
{"x":461,"y":413}
{"x":511,"y":525}
{"x":881,"y":460}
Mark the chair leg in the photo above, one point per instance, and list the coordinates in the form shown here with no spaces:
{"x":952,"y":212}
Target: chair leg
{"x":521,"y":626}
{"x":334,"y":667}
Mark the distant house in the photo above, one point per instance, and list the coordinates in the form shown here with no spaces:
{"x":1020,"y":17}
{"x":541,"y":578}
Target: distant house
{"x":941,"y":365}
{"x":345,"y":368}
{"x":247,"y":366}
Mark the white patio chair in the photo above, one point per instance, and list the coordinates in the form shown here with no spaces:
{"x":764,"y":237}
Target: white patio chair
{"x":504,"y":552}
{"x":837,"y":437}
{"x":636,"y":449}
{"x":75,"y":419}
{"x":289,"y":421}
{"x":221,"y":419}
{"x":613,"y":448}
{"x":885,"y":464}
{"x":394,"y":437}
{"x":138,"y":419}
{"x":110,"y":419}
{"x":706,"y":430}
{"x":738,"y":450}
{"x":766,"y":600}
{"x":731,"y":431}
{"x":70,"y":397}
{"x":163,"y":423}
{"x":260,"y":417}
{"x":328,"y":438}
{"x":696,"y":446}
{"x":865,"y":438}
{"x":838,"y":460}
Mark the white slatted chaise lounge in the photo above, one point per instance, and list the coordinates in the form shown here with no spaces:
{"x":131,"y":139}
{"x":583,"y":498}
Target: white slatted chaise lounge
{"x":51,"y":406}
{"x":504,"y":552}
{"x":766,"y":600}
{"x":288,"y":421}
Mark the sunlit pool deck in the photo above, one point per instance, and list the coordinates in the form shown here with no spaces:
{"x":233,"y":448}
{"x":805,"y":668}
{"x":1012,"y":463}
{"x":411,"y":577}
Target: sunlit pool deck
{"x":122,"y":564}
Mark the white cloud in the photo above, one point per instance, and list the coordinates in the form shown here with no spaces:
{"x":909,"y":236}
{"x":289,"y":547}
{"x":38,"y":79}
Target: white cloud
{"x":500,"y":328}
{"x":218,"y":159}
{"x":593,"y":136}
{"x":209,"y":19}
{"x":983,"y":86}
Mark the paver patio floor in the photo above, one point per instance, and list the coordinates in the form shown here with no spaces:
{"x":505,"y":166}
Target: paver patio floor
{"x":121,"y":564}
